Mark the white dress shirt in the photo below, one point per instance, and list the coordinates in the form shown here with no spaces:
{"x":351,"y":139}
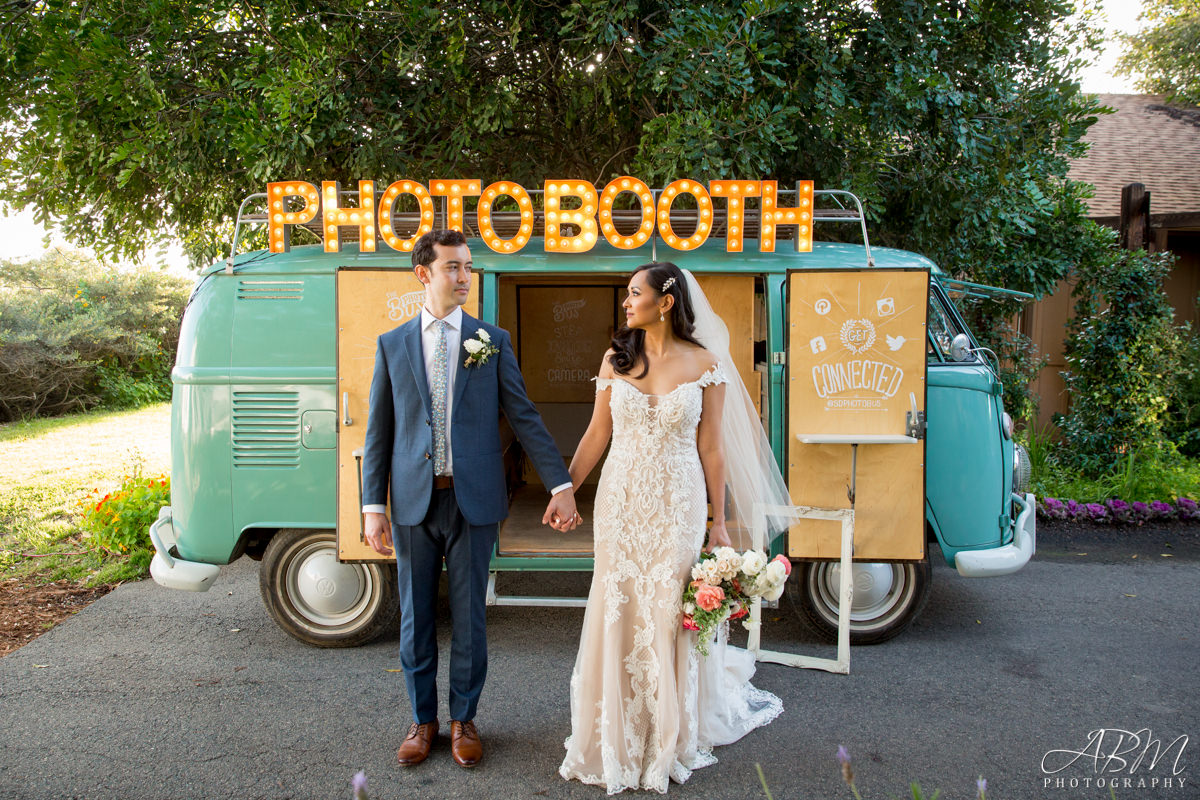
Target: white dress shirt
{"x":453,"y":322}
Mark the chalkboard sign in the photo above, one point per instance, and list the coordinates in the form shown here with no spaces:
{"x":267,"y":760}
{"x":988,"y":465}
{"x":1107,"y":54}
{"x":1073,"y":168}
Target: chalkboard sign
{"x":564,"y":331}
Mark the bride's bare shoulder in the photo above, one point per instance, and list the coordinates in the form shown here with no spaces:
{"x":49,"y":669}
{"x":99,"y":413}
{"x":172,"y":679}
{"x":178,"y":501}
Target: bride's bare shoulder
{"x":606,"y":367}
{"x":700,"y":360}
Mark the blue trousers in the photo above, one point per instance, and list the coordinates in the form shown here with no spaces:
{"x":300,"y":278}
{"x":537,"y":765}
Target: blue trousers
{"x":444,"y":535}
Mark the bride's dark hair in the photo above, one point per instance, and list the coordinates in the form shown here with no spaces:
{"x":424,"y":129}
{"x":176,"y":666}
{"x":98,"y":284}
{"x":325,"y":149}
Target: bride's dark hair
{"x":629,"y":344}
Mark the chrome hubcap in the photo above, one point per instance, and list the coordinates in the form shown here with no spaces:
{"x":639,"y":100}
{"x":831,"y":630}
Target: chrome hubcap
{"x":881,"y":592}
{"x":325,"y":591}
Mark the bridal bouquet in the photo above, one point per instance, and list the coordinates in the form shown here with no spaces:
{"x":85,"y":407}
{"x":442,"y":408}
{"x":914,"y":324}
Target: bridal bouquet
{"x":724,"y":584}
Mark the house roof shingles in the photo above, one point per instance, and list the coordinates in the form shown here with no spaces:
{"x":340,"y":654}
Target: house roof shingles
{"x":1145,"y":141}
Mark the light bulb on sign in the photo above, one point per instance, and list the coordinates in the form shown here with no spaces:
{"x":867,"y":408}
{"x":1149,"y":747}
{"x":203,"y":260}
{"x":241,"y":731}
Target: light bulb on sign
{"x":608,"y":197}
{"x":484,"y":217}
{"x":455,"y":189}
{"x":785,"y":216}
{"x":424,"y":211}
{"x":733,"y":190}
{"x":672,"y":192}
{"x":556,"y":189}
{"x":279,"y":228}
{"x":338,"y":218}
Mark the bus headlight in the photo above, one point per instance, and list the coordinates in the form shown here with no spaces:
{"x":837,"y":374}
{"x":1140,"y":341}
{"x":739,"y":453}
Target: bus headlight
{"x":1022,"y":469}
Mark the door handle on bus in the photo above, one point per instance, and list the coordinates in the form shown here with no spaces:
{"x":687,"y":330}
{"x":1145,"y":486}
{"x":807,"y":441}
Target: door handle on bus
{"x":346,"y":409}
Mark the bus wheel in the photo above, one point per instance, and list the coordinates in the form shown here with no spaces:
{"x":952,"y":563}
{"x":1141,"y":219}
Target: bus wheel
{"x":319,"y":600}
{"x":887,"y":598}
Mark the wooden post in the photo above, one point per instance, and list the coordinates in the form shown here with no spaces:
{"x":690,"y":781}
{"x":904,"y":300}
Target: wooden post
{"x":1135,"y":217}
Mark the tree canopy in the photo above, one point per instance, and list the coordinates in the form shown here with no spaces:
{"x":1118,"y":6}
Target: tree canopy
{"x":953,"y":121}
{"x":1165,"y":54}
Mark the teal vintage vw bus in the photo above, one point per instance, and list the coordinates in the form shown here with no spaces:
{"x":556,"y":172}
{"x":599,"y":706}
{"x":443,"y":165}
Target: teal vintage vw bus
{"x":277,"y":345}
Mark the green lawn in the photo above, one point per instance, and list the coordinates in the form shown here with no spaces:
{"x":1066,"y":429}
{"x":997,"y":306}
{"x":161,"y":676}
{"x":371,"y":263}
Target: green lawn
{"x":51,"y":468}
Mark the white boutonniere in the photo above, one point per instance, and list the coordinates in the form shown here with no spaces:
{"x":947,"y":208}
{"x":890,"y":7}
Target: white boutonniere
{"x":479,"y":349}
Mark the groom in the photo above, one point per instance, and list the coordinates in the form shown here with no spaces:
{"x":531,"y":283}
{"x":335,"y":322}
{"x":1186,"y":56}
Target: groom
{"x":433,"y":439}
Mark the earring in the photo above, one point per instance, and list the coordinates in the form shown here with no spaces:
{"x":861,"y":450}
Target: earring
{"x":661,"y":318}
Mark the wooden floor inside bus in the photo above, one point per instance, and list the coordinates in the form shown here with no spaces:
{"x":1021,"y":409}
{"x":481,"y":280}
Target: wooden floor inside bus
{"x":523,"y":533}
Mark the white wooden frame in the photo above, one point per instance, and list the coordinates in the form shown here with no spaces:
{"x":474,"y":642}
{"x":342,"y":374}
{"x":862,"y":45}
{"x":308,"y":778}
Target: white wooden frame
{"x":758,"y":532}
{"x":841,"y":664}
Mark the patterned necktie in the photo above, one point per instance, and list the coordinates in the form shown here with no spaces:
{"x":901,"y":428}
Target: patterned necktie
{"x":441,"y":379}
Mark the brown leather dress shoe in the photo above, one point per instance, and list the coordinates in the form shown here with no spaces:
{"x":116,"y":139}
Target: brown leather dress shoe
{"x":464,"y":743}
{"x":416,"y":745}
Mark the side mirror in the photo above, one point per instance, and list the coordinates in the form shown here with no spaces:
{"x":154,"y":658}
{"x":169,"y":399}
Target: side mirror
{"x":960,"y":347}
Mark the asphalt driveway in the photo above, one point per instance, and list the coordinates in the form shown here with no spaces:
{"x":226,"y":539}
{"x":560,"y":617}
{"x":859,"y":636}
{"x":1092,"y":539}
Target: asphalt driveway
{"x":150,"y":693}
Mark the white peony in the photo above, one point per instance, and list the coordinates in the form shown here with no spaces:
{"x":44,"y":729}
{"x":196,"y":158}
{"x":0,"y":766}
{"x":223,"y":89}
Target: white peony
{"x":473,"y":346}
{"x":728,"y":562}
{"x":723,"y":553}
{"x":710,"y":572}
{"x":484,"y":335}
{"x":774,"y":594}
{"x":753,"y":561}
{"x":775,"y":573}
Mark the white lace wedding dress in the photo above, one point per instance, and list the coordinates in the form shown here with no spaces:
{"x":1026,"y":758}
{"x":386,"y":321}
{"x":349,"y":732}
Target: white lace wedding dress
{"x":645,"y":706}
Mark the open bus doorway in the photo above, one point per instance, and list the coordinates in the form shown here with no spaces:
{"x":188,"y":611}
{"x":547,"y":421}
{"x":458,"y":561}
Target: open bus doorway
{"x":560,"y":328}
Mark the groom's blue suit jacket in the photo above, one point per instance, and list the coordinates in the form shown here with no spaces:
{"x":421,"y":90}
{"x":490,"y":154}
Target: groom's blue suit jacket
{"x":399,"y":445}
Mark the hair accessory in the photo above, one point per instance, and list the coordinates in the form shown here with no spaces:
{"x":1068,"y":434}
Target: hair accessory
{"x":667,"y":284}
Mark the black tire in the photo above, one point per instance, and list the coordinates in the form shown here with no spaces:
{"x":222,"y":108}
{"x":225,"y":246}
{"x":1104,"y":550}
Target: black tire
{"x":320,"y":601}
{"x":889,"y":609}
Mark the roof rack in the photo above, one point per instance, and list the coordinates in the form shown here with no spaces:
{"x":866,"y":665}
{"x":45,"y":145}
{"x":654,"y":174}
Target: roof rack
{"x":840,"y":207}
{"x":978,"y":291}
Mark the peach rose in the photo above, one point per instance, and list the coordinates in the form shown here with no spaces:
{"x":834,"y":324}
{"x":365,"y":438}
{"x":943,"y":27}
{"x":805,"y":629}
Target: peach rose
{"x":710,"y":597}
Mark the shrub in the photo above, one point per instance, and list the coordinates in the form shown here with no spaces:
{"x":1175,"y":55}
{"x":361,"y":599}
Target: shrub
{"x":1115,"y":510}
{"x":120,"y":521}
{"x":1142,"y":475}
{"x":75,"y":334}
{"x":1122,"y":353}
{"x":1183,"y":416}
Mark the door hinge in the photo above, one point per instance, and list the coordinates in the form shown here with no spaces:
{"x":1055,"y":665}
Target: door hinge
{"x":1005,"y":521}
{"x":914,"y":419}
{"x":914,"y":424}
{"x":779,"y":359}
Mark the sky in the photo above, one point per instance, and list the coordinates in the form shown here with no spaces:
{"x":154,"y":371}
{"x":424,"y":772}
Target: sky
{"x":1122,"y":17}
{"x":21,"y":237}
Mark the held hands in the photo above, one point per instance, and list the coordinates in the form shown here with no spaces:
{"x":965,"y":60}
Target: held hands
{"x":378,"y":533}
{"x":561,"y":513}
{"x":717,"y":536}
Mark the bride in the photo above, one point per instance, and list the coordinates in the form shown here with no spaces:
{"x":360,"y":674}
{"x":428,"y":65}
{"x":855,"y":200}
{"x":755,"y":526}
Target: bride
{"x":645,"y":706}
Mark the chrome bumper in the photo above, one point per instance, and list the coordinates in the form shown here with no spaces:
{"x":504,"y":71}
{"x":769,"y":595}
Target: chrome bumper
{"x":171,"y":571}
{"x":1009,"y":558}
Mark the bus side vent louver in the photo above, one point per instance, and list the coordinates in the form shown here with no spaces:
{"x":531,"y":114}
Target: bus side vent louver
{"x":270,"y":290}
{"x":266,"y":430}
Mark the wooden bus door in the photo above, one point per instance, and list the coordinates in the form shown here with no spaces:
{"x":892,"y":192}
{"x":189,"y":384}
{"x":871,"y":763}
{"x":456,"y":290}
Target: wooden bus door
{"x":856,"y":366}
{"x":369,"y":302}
